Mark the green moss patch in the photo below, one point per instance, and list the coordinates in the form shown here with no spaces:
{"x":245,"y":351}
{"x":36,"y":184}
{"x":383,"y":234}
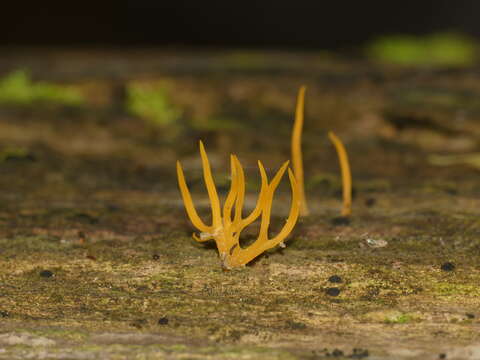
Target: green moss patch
{"x":17,"y":88}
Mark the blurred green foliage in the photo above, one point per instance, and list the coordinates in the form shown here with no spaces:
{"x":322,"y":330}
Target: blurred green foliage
{"x":400,"y":319}
{"x":17,"y":88}
{"x":152,"y":104}
{"x":447,"y":49}
{"x":14,"y":153}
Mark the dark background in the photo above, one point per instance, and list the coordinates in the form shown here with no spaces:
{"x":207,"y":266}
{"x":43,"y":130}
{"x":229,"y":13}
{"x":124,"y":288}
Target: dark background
{"x":307,"y":24}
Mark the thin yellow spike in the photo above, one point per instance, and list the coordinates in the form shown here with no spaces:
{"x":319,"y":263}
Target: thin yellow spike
{"x":187,"y":200}
{"x":260,"y":202}
{"x":346,"y":174}
{"x":232,"y":194}
{"x":297,"y":159}
{"x":267,"y":206}
{"x":294,"y":212}
{"x":241,"y":190}
{"x":211,"y":189}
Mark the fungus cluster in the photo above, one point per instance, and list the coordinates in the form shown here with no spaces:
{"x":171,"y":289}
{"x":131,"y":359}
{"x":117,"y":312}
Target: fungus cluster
{"x":226,"y":227}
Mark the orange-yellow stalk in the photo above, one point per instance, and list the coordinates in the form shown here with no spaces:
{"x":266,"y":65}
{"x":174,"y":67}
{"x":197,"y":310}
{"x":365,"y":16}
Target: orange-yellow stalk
{"x":225,"y":228}
{"x":297,"y":159}
{"x":346,"y":174}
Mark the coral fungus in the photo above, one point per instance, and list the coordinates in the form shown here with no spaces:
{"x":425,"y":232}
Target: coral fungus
{"x":225,"y":230}
{"x":297,"y":159}
{"x":346,"y":174}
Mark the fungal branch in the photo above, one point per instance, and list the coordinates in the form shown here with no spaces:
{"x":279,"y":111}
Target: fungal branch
{"x":346,"y":174}
{"x":226,"y":227}
{"x":297,"y":159}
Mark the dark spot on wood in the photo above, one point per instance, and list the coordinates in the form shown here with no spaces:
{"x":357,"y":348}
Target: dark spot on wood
{"x":448,"y":266}
{"x":333,"y":291}
{"x":46,"y":273}
{"x":163,"y":321}
{"x":335,"y":279}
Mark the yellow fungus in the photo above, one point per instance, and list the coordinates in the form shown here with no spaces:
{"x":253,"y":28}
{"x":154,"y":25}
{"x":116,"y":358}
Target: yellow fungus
{"x":346,"y":174}
{"x":297,"y":160}
{"x":225,"y":229}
